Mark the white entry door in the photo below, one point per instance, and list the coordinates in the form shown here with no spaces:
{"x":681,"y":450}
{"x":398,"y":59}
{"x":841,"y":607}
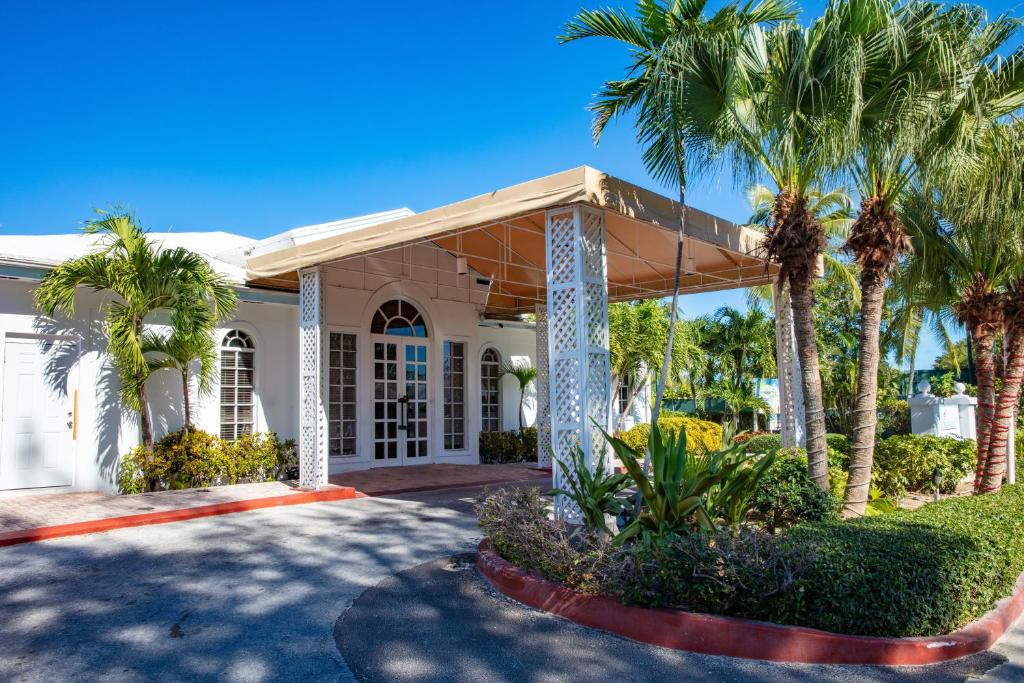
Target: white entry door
{"x":37,"y":446}
{"x":400,"y":431}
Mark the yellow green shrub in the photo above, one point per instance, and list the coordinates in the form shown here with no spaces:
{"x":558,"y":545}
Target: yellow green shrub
{"x":701,"y":435}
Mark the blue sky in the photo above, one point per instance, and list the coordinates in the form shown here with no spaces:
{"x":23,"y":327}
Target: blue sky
{"x":257,"y":117}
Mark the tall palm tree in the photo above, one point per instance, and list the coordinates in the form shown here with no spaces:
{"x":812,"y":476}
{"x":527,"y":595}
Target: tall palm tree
{"x":783,"y":112}
{"x":182,"y":348}
{"x":143,"y":280}
{"x":922,"y":68}
{"x":524,"y":373}
{"x":973,"y":263}
{"x":664,"y":41}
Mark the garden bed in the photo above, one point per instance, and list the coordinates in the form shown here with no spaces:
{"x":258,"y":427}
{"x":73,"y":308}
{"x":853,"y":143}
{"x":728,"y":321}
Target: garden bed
{"x":734,"y":637}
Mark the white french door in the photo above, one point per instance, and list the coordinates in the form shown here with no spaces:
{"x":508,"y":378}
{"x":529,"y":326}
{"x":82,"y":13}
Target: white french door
{"x":37,"y":446}
{"x":400,"y":377}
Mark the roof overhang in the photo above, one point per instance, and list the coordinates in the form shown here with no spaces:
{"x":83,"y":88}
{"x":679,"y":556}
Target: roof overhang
{"x":501,"y":236}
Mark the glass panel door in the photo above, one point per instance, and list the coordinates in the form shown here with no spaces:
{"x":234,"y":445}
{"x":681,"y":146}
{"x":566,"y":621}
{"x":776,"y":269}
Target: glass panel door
{"x":385,"y":402}
{"x":400,"y":402}
{"x":415,"y":399}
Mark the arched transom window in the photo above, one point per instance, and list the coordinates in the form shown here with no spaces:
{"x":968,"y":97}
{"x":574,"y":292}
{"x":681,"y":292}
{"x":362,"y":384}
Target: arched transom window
{"x":237,"y":385}
{"x":398,"y":318}
{"x":490,"y":390}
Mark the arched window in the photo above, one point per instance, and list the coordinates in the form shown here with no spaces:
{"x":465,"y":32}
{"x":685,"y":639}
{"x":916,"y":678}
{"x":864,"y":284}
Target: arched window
{"x":398,"y":318}
{"x":490,"y":390}
{"x":237,"y":385}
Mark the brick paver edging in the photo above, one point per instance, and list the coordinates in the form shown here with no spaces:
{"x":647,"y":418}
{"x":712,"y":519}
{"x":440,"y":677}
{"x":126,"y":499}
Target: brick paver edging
{"x":163,"y":516}
{"x":734,"y":637}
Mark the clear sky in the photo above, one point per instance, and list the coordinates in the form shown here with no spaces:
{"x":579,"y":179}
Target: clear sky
{"x":257,"y":117}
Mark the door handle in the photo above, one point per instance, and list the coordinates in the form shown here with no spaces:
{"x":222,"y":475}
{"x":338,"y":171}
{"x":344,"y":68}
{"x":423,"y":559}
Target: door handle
{"x":402,"y":415}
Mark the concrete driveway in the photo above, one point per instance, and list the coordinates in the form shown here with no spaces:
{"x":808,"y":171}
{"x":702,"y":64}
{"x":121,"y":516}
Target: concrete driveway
{"x":264,"y":595}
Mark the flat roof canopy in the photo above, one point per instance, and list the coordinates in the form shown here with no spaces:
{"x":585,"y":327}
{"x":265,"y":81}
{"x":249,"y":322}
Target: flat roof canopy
{"x":501,"y":236}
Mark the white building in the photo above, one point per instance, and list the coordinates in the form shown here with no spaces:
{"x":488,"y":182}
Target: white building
{"x":373,"y":341}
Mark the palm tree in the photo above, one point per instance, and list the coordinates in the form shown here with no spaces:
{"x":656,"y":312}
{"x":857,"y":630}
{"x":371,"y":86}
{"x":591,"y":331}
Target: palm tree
{"x":747,"y":338}
{"x":180,"y":349}
{"x":143,"y":280}
{"x":663,"y":42}
{"x":783,"y":113}
{"x":636,"y":337}
{"x":922,"y":70}
{"x":973,"y":263}
{"x":524,"y":373}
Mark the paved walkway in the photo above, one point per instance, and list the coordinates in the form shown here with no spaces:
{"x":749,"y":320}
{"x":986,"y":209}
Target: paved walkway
{"x":387,"y":480}
{"x":21,"y":512}
{"x":353,"y":590}
{"x":33,"y":511}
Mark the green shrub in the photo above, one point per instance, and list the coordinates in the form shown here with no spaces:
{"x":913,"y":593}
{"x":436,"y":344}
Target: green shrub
{"x":926,"y":572}
{"x":192,"y":458}
{"x":747,"y":436}
{"x":893,"y":417}
{"x":787,"y":495}
{"x":906,"y":462}
{"x":505,"y":447}
{"x":762,"y":443}
{"x":701,"y":436}
{"x":911,"y":573}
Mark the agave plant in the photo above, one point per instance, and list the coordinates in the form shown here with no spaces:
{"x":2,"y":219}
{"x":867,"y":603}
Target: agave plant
{"x":595,"y":493}
{"x":686,"y":490}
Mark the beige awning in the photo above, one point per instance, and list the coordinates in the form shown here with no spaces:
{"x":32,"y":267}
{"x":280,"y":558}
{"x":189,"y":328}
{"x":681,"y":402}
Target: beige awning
{"x":501,"y":236}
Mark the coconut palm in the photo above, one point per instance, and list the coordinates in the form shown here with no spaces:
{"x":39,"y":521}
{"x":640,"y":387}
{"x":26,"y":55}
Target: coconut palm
{"x":664,"y":42}
{"x":142,"y":281}
{"x":924,"y":72}
{"x":524,"y":373}
{"x":182,"y":348}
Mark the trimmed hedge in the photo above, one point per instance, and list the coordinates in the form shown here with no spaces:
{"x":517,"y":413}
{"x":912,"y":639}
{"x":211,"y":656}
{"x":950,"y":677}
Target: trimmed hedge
{"x":911,"y":573}
{"x":926,"y":572}
{"x":505,"y":447}
{"x":701,"y":435}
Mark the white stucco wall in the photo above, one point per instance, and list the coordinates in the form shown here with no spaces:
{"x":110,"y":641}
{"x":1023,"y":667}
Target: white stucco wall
{"x":104,"y":430}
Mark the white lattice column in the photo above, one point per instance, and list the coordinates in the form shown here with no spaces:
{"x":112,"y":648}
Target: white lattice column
{"x":580,"y":379}
{"x":791,"y":394}
{"x":312,"y":416}
{"x":543,"y":388}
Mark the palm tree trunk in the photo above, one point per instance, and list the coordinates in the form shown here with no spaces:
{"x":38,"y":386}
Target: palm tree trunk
{"x":522,"y":398}
{"x":985,"y":367}
{"x":1002,"y":422}
{"x":802,"y":302}
{"x":145,"y":425}
{"x":865,"y":414}
{"x":185,"y":399}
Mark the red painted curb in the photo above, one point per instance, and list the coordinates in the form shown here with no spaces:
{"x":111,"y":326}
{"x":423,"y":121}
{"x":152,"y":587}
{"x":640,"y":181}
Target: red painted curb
{"x":162,"y":517}
{"x":734,"y":637}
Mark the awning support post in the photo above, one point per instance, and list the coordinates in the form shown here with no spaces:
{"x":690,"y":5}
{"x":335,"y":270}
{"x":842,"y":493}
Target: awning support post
{"x":312,"y":415}
{"x":543,"y":388}
{"x":580,"y":366}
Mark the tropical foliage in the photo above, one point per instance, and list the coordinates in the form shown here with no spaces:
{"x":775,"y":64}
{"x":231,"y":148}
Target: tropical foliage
{"x":144,"y":281}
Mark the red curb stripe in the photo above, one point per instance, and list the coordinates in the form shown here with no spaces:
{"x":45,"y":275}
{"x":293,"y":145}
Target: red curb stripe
{"x":164,"y":516}
{"x":734,"y":637}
